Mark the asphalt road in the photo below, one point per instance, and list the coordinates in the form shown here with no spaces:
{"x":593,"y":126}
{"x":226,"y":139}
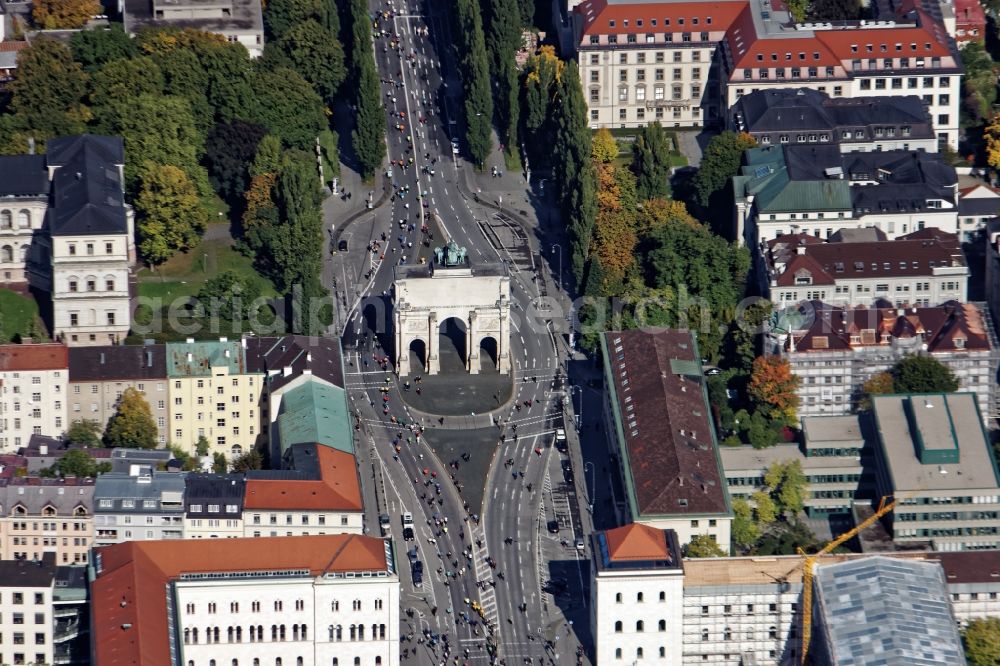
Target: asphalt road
{"x":411,"y":479}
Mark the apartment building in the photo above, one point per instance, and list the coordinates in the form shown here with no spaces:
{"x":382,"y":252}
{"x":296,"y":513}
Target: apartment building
{"x":977,"y":206}
{"x":915,"y":624}
{"x":970,"y":22}
{"x":637,"y":592}
{"x":307,"y":600}
{"x":33,"y":381}
{"x":213,"y":506}
{"x":142,"y":505}
{"x":935,"y":459}
{"x":686,"y":64}
{"x":40,"y":516}
{"x":317,"y":491}
{"x":836,"y":350}
{"x":922,"y":268}
{"x":99,"y":375}
{"x":26,"y":621}
{"x":238,"y":21}
{"x":25,"y":248}
{"x":789,"y":189}
{"x":213,"y":394}
{"x":660,"y":427}
{"x":835,"y":458}
{"x":803,"y":115}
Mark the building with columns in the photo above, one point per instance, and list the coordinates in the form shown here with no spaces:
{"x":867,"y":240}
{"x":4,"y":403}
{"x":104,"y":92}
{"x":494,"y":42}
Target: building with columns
{"x":469,"y":303}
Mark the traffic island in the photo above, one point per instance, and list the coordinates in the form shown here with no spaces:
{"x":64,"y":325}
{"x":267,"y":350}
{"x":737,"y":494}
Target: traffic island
{"x":455,"y":394}
{"x":466,"y":456}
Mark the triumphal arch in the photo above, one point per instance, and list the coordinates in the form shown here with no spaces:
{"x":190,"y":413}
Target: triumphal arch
{"x":469,"y":303}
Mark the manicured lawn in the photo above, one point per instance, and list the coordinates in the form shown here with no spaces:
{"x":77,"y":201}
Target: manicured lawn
{"x":184,"y":274}
{"x":16,"y":313}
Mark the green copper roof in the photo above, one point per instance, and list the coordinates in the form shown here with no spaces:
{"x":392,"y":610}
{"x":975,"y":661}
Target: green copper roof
{"x":196,"y":359}
{"x":315,"y":412}
{"x":765,"y":176}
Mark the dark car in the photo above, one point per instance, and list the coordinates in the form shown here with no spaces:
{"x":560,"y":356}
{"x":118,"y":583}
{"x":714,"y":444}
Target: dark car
{"x":407,"y":534}
{"x":342,"y":246}
{"x":553,"y":526}
{"x":418,"y":566}
{"x":418,"y":577}
{"x":412,"y":555}
{"x":556,"y":586}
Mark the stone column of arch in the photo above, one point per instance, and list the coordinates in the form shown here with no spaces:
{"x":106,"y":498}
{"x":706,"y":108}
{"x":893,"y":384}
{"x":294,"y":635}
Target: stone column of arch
{"x":433,"y":362}
{"x":503,"y":342}
{"x":472,"y":345}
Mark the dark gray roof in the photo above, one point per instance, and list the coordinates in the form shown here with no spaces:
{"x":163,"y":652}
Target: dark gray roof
{"x":28,"y":573}
{"x":978,"y":207}
{"x":34,"y":494}
{"x":204,"y":489}
{"x":300,"y":463}
{"x":122,"y":459}
{"x":117,"y":362}
{"x":802,"y":109}
{"x":321,"y":356}
{"x":157,"y":486}
{"x":23,"y":176}
{"x":87,"y":187}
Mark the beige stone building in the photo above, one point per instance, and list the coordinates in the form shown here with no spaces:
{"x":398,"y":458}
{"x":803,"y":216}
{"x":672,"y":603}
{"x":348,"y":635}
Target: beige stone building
{"x":99,"y":375}
{"x":39,"y":516}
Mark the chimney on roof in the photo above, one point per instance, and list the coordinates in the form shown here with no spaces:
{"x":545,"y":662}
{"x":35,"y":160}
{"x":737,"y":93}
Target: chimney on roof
{"x":223,"y":339}
{"x":243,"y":341}
{"x":680,"y":481}
{"x":190,"y":341}
{"x":102,"y":358}
{"x":309,"y":357}
{"x":704,"y":488}
{"x":800,"y":248}
{"x":43,"y":450}
{"x":226,"y":352}
{"x":149,"y":359}
{"x":287,"y":370}
{"x":190,"y":357}
{"x":31,"y":145}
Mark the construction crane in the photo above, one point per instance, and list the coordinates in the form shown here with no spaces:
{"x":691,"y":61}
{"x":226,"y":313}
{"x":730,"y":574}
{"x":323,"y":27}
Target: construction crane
{"x":810,"y":563}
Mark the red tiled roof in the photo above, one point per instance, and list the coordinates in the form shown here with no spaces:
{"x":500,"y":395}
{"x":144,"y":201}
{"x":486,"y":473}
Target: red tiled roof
{"x":337,"y":490}
{"x":670,"y":447}
{"x":636,"y":542}
{"x":53,"y":356}
{"x":710,"y":16}
{"x":13,"y":46}
{"x":128,"y":596}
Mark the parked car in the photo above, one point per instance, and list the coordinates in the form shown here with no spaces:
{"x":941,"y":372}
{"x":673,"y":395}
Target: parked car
{"x":412,"y":554}
{"x":407,"y":534}
{"x":553,"y":526}
{"x":342,"y":246}
{"x":580,"y":545}
{"x":383,"y":523}
{"x":407,"y":519}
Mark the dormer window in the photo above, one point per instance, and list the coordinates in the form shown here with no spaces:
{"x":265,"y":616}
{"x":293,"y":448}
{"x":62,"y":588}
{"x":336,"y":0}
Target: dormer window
{"x":803,"y":278}
{"x":959,"y":343}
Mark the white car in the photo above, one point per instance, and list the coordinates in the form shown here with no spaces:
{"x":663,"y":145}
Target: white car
{"x":454,"y":147}
{"x":407,"y":520}
{"x":560,"y":434}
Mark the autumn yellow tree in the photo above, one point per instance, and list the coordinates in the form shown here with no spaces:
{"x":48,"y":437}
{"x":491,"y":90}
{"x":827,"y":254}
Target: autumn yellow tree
{"x":992,"y":136}
{"x":614,"y":238}
{"x":879,"y":384}
{"x":64,"y":14}
{"x":656,"y":213}
{"x":604,"y":148}
{"x":772,"y":388}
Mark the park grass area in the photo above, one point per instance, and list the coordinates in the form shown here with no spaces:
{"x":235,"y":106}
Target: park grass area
{"x":185,"y":273}
{"x":626,"y":136}
{"x":17,"y":312}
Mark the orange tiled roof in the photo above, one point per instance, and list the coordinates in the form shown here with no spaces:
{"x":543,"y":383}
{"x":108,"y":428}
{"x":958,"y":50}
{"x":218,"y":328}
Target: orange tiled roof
{"x":657,"y":16}
{"x":13,"y":46}
{"x":636,"y":542}
{"x":128,"y":597}
{"x":51,"y":356}
{"x":337,"y":490}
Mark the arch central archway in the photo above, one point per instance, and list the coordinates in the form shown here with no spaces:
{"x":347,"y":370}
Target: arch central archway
{"x":453,"y":345}
{"x":418,"y":356}
{"x":489,"y":353}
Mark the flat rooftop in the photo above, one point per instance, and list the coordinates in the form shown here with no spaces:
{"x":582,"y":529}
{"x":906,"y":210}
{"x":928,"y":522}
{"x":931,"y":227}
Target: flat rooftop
{"x":846,"y":429}
{"x":246,"y":16}
{"x":941,"y":422}
{"x":749,"y":458}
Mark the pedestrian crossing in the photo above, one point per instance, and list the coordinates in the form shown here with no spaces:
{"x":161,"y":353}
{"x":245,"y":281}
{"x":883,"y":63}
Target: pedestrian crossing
{"x":487,"y":595}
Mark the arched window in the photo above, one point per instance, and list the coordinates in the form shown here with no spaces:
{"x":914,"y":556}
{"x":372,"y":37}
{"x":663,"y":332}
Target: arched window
{"x":618,"y":598}
{"x":230,"y":634}
{"x":253,"y":634}
{"x":304,"y":631}
{"x":704,"y":634}
{"x":277,"y":661}
{"x":298,"y":661}
{"x":274,"y":632}
{"x":663,"y":595}
{"x":618,"y":653}
{"x":7,"y":254}
{"x":295,"y":632}
{"x":187,"y":636}
{"x":357,"y":661}
{"x":663,"y":653}
{"x":236,"y":451}
{"x":216,"y":634}
{"x":381,"y":631}
{"x":638,"y":653}
{"x":354,"y":632}
{"x":23,"y":252}
{"x":727,"y":634}
{"x":190,"y":662}
{"x":361,"y":632}
{"x":211,"y":662}
{"x":260,"y":632}
{"x":640,"y":626}
{"x":638,"y":597}
{"x":6,"y":219}
{"x":340,"y":633}
{"x":331,"y":632}
{"x":772,"y":632}
{"x":618,"y":627}
{"x":335,"y":605}
{"x":378,"y":661}
{"x":336,"y":662}
{"x":24,"y":219}
{"x":194,"y":635}
{"x":281,"y":632}
{"x":239,"y":634}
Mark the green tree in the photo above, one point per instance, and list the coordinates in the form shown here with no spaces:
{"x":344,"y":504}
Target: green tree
{"x":503,"y":38}
{"x":879,"y":384}
{"x":368,"y":136}
{"x":575,"y":180}
{"x":979,"y":84}
{"x":132,"y":425}
{"x":282,"y":16}
{"x":787,"y":484}
{"x":230,"y":295}
{"x":745,"y":530}
{"x":125,"y":78}
{"x":923,"y":374}
{"x":313,"y":52}
{"x":541,"y":79}
{"x":720,"y":162}
{"x":219,"y":463}
{"x":229,"y":150}
{"x":171,"y":217}
{"x":651,"y":153}
{"x":604,"y":148}
{"x":289,"y":107}
{"x":79,"y":463}
{"x":773,"y":388}
{"x":159,"y":129}
{"x":295,"y":242}
{"x":764,"y":507}
{"x":834,"y":10}
{"x":474,"y":68}
{"x":85,"y":433}
{"x":703,"y":545}
{"x":47,"y":93}
{"x":269,"y":157}
{"x":189,"y":463}
{"x":251,"y":460}
{"x":64,"y":14}
{"x":201,"y":447}
{"x":981,"y":638}
{"x":94,"y":47}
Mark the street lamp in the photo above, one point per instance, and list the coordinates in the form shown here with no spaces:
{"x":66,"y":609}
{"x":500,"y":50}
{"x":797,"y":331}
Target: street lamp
{"x":559,"y":248}
{"x":593,"y":486}
{"x":578,"y":415}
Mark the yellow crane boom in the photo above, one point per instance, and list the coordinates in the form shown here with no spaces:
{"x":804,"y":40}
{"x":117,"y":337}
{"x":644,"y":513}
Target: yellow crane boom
{"x":810,"y":562}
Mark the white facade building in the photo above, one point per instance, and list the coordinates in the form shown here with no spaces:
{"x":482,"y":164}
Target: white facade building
{"x":300,"y":601}
{"x":637,"y":595}
{"x":26,"y":591}
{"x":33,"y":381}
